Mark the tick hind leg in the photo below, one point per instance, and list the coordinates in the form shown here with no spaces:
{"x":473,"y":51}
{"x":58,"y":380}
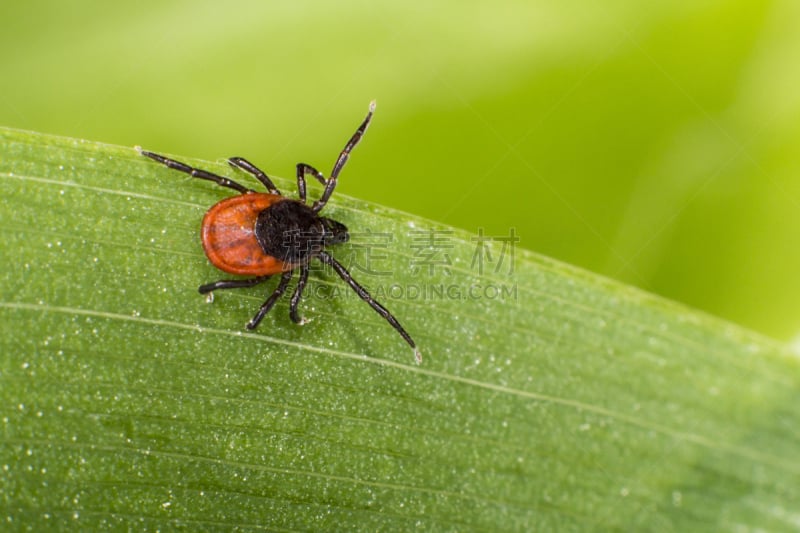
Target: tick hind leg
{"x":232,"y":284}
{"x":267,"y":305}
{"x":243,"y":164}
{"x":197,"y":172}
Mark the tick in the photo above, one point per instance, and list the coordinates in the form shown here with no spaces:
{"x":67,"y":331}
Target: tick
{"x":265,"y":234}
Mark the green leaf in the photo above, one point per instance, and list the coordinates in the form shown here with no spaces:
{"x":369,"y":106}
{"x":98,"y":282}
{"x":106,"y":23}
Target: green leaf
{"x":548,"y":398}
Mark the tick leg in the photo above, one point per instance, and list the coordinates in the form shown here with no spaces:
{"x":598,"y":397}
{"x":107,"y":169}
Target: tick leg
{"x":196,"y":172}
{"x":267,"y":305}
{"x":232,"y":284}
{"x":302,"y":170}
{"x":343,"y":157}
{"x":247,"y":166}
{"x":298,"y":293}
{"x":326,"y":258}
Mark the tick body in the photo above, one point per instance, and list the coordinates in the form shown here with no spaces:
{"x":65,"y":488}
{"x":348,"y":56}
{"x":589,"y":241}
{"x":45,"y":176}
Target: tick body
{"x":265,"y":234}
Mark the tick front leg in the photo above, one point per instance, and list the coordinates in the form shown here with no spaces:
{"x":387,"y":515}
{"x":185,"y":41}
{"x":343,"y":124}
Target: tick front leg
{"x":267,"y":305}
{"x":302,"y":170}
{"x":326,"y":258}
{"x":197,"y":172}
{"x":343,"y":157}
{"x":247,"y":166}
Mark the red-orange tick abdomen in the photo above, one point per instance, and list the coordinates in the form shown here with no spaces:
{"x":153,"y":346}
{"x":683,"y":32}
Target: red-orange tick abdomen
{"x":229,"y":239}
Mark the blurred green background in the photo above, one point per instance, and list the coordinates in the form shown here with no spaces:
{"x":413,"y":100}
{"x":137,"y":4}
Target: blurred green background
{"x":657,"y":143}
